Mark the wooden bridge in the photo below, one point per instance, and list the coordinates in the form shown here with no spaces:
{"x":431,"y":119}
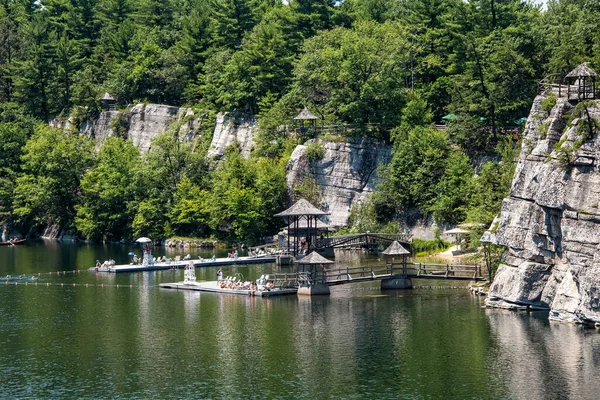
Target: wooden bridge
{"x":362,"y":240}
{"x":340,"y":276}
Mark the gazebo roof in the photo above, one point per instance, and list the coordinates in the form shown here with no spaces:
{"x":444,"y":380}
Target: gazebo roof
{"x":582,"y":70}
{"x":314,"y":258}
{"x":301,"y":207}
{"x":305,"y":114}
{"x":107,"y":97}
{"x":396,"y":249}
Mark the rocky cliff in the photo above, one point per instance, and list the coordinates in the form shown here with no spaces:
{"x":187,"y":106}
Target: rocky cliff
{"x":550,"y":223}
{"x":233,"y":129}
{"x":346,"y":174}
{"x":141,"y":124}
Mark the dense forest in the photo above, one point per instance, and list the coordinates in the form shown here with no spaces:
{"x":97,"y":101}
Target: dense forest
{"x":391,"y":68}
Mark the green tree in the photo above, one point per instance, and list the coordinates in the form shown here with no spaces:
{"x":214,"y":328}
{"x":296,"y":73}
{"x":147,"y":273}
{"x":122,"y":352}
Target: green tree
{"x":15,"y":128}
{"x":105,"y":211}
{"x":410,"y":180}
{"x":54,"y":163}
{"x":454,"y":190}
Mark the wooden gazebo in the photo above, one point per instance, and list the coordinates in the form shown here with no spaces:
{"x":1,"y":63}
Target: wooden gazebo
{"x":306,"y":115}
{"x":302,"y":212}
{"x":107,"y":102}
{"x":581,"y":83}
{"x":396,"y":249}
{"x":316,"y":267}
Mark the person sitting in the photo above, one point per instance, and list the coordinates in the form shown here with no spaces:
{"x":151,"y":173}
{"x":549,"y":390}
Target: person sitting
{"x":98,"y":265}
{"x":136,"y":260}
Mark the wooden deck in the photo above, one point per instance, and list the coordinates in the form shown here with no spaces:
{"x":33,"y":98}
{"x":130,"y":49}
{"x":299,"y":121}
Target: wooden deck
{"x":218,"y":262}
{"x":211,"y":286}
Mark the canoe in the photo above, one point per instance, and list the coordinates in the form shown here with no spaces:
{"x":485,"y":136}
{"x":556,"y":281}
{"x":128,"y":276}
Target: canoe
{"x":14,"y":242}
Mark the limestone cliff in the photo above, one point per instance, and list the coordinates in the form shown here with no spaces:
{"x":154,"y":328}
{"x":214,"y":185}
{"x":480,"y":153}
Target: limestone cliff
{"x":233,"y":129}
{"x":141,"y":124}
{"x":346,"y":174}
{"x":550,"y":223}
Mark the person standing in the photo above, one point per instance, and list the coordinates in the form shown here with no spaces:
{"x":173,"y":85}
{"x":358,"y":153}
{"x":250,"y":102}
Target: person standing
{"x":220,"y":275}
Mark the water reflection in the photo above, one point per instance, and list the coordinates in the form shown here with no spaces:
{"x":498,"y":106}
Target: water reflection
{"x":538,"y":359}
{"x":143,"y":341}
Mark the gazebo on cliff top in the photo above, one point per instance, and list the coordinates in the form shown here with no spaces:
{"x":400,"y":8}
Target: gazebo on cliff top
{"x":582,"y":83}
{"x":304,"y":214}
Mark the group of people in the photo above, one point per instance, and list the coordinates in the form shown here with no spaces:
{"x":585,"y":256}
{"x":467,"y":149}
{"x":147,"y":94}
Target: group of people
{"x":233,"y":255}
{"x":108,"y":263}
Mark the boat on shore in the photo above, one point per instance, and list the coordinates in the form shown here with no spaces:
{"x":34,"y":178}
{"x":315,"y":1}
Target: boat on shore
{"x":13,"y":243}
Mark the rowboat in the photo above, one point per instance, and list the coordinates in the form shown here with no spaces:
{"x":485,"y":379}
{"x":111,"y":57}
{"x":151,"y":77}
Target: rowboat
{"x":14,"y":242}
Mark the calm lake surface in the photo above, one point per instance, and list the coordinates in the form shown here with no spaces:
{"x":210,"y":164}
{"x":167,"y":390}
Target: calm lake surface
{"x":96,"y":340}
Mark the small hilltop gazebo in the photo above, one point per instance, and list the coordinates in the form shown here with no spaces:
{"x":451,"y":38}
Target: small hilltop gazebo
{"x":107,"y":102}
{"x":316,"y":279}
{"x":581,"y":83}
{"x":304,"y":214}
{"x":306,"y":115}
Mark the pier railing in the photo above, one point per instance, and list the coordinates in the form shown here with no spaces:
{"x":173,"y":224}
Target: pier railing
{"x":339,"y":276}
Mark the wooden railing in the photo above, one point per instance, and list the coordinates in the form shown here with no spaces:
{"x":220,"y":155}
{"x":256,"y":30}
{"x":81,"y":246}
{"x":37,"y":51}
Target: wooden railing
{"x":339,"y":276}
{"x":361,"y":239}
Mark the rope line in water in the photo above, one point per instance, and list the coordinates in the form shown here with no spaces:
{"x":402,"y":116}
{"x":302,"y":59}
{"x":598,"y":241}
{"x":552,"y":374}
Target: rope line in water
{"x":62,"y":284}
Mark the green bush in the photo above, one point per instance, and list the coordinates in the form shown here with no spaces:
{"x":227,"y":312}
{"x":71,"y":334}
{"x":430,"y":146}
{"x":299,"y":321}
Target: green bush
{"x":428,"y":246}
{"x":314,"y":151}
{"x":548,"y":103}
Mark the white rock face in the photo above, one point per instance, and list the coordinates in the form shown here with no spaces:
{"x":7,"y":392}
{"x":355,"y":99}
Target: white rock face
{"x":550,"y":222}
{"x":144,"y":122}
{"x":230,"y":130}
{"x":346,"y":174}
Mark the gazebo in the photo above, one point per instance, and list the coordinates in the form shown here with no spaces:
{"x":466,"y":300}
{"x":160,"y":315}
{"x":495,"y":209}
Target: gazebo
{"x":306,"y":115}
{"x":459,"y":234}
{"x":316,"y":280}
{"x":307,"y":214}
{"x":581,"y":83}
{"x":107,"y":102}
{"x":396,"y":249}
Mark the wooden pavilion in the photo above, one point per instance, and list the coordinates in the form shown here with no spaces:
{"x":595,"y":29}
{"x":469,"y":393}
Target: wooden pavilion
{"x":304,"y":214}
{"x":396,"y":249}
{"x":306,"y":115}
{"x":315,"y":281}
{"x":581,"y":83}
{"x":107,"y":102}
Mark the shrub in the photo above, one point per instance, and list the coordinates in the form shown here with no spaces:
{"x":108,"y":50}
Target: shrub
{"x":548,"y":103}
{"x":314,"y":151}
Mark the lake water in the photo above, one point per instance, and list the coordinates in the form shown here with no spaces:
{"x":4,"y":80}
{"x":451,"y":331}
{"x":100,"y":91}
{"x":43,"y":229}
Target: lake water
{"x":96,"y":340}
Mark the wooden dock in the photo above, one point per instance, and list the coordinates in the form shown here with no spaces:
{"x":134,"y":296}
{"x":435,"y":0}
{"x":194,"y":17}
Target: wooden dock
{"x":217,"y":262}
{"x":211,"y":286}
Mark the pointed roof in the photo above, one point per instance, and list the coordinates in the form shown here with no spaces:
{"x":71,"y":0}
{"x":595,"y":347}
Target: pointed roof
{"x":301,"y":207}
{"x":107,"y":97}
{"x":314,"y":258}
{"x":396,"y":249}
{"x":581,"y":70}
{"x":305,"y":114}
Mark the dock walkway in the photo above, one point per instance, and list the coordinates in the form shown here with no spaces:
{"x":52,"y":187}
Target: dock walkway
{"x":218,"y":262}
{"x":211,"y":286}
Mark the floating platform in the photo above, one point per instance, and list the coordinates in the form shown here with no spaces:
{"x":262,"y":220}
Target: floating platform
{"x":218,"y":262}
{"x":212,"y":286}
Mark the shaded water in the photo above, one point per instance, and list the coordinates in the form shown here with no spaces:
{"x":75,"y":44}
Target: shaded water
{"x":138,"y":340}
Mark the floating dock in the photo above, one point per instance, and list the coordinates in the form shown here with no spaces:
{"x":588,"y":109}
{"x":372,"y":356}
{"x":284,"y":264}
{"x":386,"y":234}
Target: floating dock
{"x":217,"y":262}
{"x":212,"y":286}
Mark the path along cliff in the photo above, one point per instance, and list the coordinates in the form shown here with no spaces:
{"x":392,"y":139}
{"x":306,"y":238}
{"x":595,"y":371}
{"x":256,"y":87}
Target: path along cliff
{"x":550,"y":222}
